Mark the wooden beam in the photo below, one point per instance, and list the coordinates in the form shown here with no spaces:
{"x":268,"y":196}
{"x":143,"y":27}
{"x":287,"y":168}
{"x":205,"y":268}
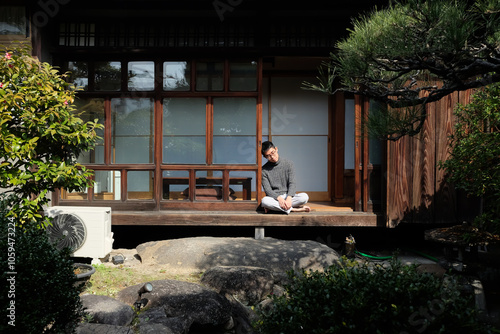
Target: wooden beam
{"x":242,"y":218}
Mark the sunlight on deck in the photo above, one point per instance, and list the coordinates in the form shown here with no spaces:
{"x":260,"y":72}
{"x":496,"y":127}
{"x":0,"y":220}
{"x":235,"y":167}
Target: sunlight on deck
{"x":328,"y":207}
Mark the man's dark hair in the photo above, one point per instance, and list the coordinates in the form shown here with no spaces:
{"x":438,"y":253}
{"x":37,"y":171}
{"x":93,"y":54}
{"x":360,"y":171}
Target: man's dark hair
{"x":266,"y":146}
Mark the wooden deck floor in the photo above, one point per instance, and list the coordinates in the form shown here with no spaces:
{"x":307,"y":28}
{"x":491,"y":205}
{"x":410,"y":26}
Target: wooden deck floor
{"x":322,"y":214}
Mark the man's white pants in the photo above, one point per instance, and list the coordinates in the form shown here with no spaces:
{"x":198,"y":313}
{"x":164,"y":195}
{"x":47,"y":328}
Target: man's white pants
{"x":272,"y":204}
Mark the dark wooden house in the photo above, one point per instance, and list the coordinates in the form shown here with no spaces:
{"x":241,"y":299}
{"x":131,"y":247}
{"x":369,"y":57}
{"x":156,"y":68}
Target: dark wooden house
{"x":187,"y":92}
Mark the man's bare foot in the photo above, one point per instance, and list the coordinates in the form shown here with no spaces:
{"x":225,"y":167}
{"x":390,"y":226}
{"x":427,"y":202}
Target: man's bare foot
{"x":304,"y":208}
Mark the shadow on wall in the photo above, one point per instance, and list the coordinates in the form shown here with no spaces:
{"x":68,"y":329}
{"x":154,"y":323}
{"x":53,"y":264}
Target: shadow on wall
{"x":448,"y":206}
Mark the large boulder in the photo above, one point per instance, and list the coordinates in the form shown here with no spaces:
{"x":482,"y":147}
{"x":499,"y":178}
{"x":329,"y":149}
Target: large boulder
{"x":194,"y":255}
{"x":106,"y":310}
{"x":244,"y":287}
{"x":189,"y":303}
{"x":249,"y":285}
{"x":91,"y":328}
{"x":155,"y":320}
{"x":243,"y":317}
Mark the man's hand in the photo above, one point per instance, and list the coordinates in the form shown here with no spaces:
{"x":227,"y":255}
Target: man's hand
{"x":285,"y":204}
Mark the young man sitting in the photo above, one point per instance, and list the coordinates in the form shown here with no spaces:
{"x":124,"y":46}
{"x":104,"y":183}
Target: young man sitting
{"x":278,"y":181}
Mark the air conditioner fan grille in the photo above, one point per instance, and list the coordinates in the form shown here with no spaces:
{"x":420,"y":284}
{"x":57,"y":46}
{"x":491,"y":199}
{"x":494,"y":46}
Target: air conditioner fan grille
{"x":67,"y":230}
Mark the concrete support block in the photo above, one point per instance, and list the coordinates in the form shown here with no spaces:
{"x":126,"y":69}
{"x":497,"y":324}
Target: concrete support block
{"x":259,"y":233}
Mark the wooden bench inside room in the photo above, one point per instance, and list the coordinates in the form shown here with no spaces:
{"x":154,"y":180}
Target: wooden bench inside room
{"x":209,"y":188}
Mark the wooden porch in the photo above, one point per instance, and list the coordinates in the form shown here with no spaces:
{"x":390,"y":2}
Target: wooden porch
{"x":322,"y":214}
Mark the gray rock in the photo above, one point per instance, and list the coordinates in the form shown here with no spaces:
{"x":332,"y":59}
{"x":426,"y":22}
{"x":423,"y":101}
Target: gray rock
{"x":130,"y":257}
{"x":243,"y":287}
{"x":155,"y":328}
{"x":243,"y":270}
{"x":106,"y":310}
{"x":243,"y":317}
{"x":194,"y":255}
{"x":89,"y":328}
{"x":248,"y":285}
{"x":189,"y":301}
{"x":155,"y":320}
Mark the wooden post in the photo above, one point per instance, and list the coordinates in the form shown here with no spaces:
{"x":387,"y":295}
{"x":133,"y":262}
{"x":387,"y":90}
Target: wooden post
{"x":339,"y":145}
{"x":366,"y":158}
{"x":358,"y":108}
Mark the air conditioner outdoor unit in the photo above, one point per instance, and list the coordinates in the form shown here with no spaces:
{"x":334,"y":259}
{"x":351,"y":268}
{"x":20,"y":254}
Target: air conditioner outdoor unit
{"x":86,"y":230}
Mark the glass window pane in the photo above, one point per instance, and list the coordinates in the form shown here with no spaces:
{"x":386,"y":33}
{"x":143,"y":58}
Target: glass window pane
{"x":243,"y":76}
{"x":175,"y":183}
{"x":242,"y":185}
{"x":234,"y":150}
{"x":235,"y":116}
{"x":235,"y":131}
{"x":107,"y":185}
{"x":74,"y":195}
{"x":176,"y":75}
{"x":184,"y":131}
{"x":79,"y":74}
{"x":210,"y":76}
{"x":208,"y":186}
{"x":108,"y":75}
{"x":88,"y":110}
{"x":132,"y":130}
{"x":12,"y":20}
{"x":140,"y":184}
{"x":295,"y":111}
{"x":141,"y":75}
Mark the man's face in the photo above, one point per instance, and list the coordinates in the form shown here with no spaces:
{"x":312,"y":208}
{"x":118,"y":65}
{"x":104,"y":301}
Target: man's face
{"x":272,"y":154}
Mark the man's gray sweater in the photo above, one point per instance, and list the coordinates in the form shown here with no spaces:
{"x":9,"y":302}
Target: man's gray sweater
{"x":278,"y":178}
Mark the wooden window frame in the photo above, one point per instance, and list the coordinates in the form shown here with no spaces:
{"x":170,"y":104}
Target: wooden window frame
{"x":157,"y":166}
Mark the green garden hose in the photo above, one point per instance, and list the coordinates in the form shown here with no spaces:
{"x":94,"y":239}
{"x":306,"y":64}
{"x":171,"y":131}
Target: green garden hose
{"x":423,"y":254}
{"x":373,"y":257}
{"x":389,"y":257}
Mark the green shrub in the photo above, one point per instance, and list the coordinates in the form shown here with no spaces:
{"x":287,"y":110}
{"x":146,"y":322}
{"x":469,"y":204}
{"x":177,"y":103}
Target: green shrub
{"x":474,"y":161}
{"x":358,"y":298}
{"x":38,"y":293}
{"x":41,"y":135}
